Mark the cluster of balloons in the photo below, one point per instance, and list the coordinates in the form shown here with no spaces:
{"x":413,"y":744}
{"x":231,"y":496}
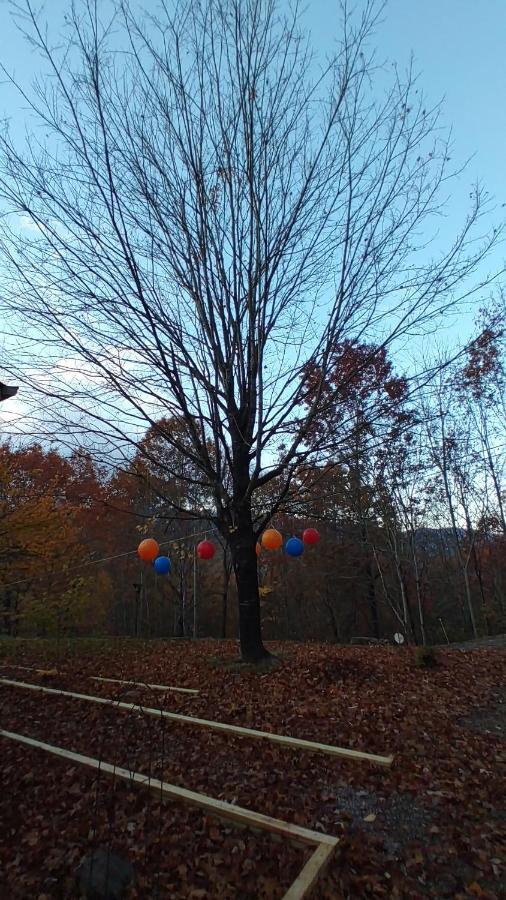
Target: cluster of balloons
{"x":272,"y":539}
{"x":149,"y":551}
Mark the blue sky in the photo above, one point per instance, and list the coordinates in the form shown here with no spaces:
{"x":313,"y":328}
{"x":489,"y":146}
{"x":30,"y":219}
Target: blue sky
{"x":459,"y":50}
{"x":458,"y":47}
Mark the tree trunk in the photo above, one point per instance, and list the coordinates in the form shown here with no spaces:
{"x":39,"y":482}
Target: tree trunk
{"x":224,"y":611}
{"x":138,"y":589}
{"x":224,"y":595}
{"x":406,"y":605}
{"x":182,"y":584}
{"x":333,"y":618}
{"x":244,"y":560}
{"x":470,"y":603}
{"x":195,"y":606}
{"x":421,"y":618}
{"x":495,"y":479}
{"x":178,"y":611}
{"x":372,"y":600}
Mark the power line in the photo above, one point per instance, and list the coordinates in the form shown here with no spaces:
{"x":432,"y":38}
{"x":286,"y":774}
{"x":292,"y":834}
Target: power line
{"x":93,"y":562}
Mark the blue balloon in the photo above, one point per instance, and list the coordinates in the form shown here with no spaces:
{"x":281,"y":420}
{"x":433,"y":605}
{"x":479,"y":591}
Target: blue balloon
{"x":294,"y":547}
{"x":162,"y":565}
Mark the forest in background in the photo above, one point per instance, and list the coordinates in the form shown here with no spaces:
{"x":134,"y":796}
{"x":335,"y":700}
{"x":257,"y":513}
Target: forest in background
{"x":410,"y":507}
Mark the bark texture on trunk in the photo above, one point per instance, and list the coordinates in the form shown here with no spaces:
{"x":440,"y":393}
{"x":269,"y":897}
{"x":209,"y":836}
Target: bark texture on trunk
{"x":244,"y":560}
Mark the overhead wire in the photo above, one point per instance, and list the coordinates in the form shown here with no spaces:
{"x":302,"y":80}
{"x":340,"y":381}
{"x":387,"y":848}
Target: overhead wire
{"x":104,"y":559}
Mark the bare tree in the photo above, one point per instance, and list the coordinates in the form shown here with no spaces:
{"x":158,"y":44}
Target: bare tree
{"x":202,"y":213}
{"x":411,"y":496}
{"x":481,"y":388}
{"x":449,"y":456}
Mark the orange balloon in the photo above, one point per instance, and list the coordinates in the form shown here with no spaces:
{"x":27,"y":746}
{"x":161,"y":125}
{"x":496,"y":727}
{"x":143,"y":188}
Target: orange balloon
{"x":148,"y":550}
{"x":258,"y":549}
{"x":272,"y":539}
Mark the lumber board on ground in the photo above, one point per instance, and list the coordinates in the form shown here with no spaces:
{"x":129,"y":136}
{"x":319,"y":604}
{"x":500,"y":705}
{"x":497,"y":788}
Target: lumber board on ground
{"x":221,"y":808}
{"x":284,"y":740}
{"x":325,"y":844}
{"x":311,"y":872}
{"x":156,"y":687}
{"x":15,"y":666}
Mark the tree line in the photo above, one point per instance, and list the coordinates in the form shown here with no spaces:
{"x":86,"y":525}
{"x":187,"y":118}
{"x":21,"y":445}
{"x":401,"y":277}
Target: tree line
{"x":215,"y":236}
{"x":410,"y":508}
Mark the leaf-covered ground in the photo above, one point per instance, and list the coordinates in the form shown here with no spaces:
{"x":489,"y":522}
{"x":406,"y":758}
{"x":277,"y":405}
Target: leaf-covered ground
{"x":432,"y":825}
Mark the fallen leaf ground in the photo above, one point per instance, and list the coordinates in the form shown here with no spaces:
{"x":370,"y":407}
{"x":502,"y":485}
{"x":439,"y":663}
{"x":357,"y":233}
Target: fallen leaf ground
{"x":432,"y":825}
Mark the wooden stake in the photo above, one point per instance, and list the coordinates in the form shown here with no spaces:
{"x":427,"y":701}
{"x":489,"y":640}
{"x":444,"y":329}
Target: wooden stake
{"x":325,"y":844}
{"x":282,"y":739}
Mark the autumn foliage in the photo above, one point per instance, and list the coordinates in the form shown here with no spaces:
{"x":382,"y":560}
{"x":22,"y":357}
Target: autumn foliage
{"x":432,"y":825}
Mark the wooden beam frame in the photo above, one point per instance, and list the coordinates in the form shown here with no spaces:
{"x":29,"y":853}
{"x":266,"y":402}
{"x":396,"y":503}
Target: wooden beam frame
{"x":324,"y":844}
{"x":284,"y":740}
{"x":15,"y":666}
{"x":156,"y":687}
{"x":312,"y":871}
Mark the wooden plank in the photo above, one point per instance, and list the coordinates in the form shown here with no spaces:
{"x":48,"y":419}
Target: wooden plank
{"x":284,"y":740}
{"x":14,"y":666}
{"x":312,"y":871}
{"x":156,"y":687}
{"x":221,"y":809}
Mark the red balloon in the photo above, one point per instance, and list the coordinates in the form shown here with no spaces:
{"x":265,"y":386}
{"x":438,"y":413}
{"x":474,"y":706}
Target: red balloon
{"x":206,"y":550}
{"x":311,"y":536}
{"x":148,"y":549}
